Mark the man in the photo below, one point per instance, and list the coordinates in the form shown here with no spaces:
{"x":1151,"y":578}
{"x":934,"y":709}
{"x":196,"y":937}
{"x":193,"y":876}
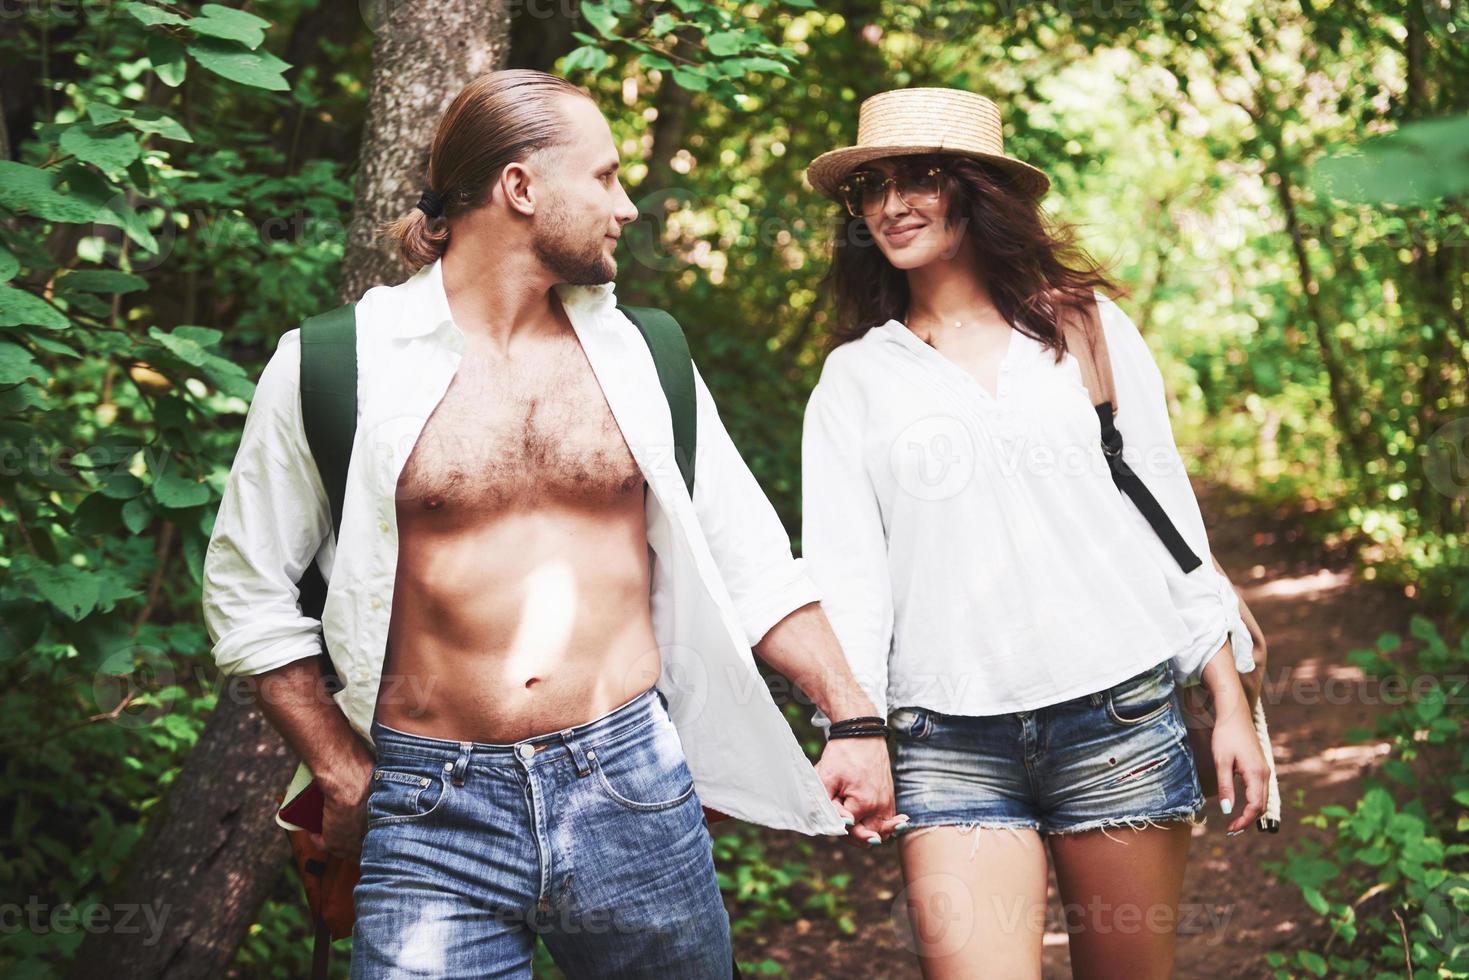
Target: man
{"x":519,"y":564}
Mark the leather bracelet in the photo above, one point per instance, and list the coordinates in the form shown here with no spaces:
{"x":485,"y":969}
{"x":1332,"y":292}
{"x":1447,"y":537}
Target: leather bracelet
{"x":861,"y":720}
{"x":865,"y":732}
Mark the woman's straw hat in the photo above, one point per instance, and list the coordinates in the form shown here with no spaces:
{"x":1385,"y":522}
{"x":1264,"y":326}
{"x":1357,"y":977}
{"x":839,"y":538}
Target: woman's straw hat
{"x":925,"y":120}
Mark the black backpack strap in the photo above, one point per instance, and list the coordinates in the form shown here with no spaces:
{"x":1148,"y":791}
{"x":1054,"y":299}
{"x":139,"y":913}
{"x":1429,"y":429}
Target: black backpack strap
{"x":1087,"y":342}
{"x":670,"y":349}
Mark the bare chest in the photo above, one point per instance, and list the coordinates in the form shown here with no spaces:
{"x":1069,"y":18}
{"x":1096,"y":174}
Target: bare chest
{"x":509,"y":435}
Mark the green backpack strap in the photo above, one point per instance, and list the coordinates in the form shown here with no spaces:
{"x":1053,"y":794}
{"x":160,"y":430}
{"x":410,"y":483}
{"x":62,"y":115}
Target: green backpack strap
{"x":329,"y":416}
{"x":665,"y":338}
{"x":329,"y":398}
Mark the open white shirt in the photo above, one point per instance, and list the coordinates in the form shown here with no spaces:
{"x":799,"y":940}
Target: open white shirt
{"x":972,"y":551}
{"x":722,"y":571}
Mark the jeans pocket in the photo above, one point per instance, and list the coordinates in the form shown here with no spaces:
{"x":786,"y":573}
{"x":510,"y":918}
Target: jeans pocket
{"x":1142,"y":697}
{"x":911,"y":723}
{"x":405,"y":792}
{"x":644,"y":773}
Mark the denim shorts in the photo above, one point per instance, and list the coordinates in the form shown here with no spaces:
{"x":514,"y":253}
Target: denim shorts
{"x":591,"y":838}
{"x":1117,"y":757}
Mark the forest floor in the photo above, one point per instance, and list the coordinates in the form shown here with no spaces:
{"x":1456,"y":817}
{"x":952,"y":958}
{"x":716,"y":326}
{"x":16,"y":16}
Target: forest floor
{"x":1314,"y":611}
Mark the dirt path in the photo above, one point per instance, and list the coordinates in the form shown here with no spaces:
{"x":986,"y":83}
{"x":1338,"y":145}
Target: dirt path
{"x":1314,"y":612}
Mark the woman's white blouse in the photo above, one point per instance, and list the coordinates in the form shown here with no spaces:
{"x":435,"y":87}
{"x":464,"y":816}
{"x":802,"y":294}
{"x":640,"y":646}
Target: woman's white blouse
{"x":973,"y":554}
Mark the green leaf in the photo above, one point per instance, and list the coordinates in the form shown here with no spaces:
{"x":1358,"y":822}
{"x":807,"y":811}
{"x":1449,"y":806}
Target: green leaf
{"x":177,"y":491}
{"x":167,"y":58}
{"x":9,"y":264}
{"x":1312,"y":961}
{"x":137,"y":515}
{"x":1422,"y":161}
{"x":17,"y":364}
{"x":229,"y":24}
{"x":259,"y":69}
{"x":68,"y":588}
{"x":586,"y":58}
{"x":690,"y":79}
{"x":651,"y":61}
{"x":101,"y":113}
{"x":1316,"y":900}
{"x":726,"y":43}
{"x":19,"y":308}
{"x":102,"y":281}
{"x":768,"y":66}
{"x":152,"y":16}
{"x":182,"y":347}
{"x":663,"y":23}
{"x":30,"y":190}
{"x":152,"y":121}
{"x":121,"y":486}
{"x":111,"y":153}
{"x":603,"y":21}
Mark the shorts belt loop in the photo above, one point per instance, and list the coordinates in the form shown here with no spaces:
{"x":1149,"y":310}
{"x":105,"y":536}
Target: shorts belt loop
{"x":461,"y":764}
{"x":1096,"y":697}
{"x":578,"y":754}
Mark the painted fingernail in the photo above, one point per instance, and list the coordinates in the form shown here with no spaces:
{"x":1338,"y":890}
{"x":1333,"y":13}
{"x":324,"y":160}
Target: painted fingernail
{"x":1226,"y":806}
{"x":849,"y":821}
{"x":874,"y":840}
{"x":1235,"y":833}
{"x":901,"y":827}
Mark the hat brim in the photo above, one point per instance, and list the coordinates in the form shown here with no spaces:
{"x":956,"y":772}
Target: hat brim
{"x":827,"y":171}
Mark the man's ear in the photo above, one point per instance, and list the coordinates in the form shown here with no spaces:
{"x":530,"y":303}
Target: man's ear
{"x":515,"y":182}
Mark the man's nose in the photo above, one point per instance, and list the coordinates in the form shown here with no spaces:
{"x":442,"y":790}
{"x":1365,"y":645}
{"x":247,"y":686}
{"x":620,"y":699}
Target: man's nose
{"x":625,"y":211}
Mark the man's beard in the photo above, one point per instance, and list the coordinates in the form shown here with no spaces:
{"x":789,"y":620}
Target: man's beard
{"x":573,"y":263}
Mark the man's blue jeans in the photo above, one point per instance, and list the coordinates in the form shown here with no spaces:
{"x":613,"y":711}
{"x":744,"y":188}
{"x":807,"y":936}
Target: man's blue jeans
{"x":592,"y":838}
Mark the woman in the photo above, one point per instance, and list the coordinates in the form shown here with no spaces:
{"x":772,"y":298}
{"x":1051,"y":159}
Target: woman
{"x":1019,"y":620}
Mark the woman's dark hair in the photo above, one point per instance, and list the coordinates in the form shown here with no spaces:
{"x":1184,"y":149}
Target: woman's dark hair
{"x":1031,"y":263}
{"x":498,"y":118}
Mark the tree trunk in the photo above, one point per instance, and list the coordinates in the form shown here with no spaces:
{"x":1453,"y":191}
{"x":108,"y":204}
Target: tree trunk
{"x":211,"y":851}
{"x":207,"y":859}
{"x":425,"y":53}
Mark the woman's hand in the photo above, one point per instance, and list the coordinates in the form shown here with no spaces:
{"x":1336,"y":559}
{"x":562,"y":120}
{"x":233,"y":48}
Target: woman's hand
{"x":1235,"y":746}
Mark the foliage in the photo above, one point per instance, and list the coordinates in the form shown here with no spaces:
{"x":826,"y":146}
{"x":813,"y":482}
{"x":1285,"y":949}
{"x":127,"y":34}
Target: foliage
{"x":177,"y":200}
{"x":1392,"y":878}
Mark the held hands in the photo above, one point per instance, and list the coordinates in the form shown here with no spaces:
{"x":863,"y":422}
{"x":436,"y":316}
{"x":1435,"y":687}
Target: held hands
{"x":859,"y":780}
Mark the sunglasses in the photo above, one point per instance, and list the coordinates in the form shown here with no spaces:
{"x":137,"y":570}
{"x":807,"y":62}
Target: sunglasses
{"x":864,"y":192}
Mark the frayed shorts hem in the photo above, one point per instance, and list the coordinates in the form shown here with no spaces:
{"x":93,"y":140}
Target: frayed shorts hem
{"x":1193,"y":816}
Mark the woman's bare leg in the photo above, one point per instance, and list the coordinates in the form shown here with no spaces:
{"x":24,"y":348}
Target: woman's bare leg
{"x":976,"y":901}
{"x":1120,"y":890}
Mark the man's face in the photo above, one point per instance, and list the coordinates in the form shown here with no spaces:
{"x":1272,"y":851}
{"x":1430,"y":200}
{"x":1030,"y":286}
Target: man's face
{"x":583,"y":205}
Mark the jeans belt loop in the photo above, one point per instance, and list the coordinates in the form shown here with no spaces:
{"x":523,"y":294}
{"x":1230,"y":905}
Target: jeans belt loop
{"x":578,"y":754}
{"x":461,"y":764}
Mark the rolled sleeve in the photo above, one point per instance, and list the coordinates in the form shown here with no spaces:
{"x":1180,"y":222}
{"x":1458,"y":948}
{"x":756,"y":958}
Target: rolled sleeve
{"x":1203,"y":597}
{"x":842,"y":535}
{"x":749,"y":544}
{"x":272,"y":520}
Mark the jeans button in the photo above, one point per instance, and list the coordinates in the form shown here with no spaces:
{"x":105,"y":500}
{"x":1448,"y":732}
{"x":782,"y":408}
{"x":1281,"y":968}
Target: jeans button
{"x":525,"y":751}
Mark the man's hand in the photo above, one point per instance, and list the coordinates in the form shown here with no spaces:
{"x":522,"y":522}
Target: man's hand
{"x":344,"y":807}
{"x":857,"y":777}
